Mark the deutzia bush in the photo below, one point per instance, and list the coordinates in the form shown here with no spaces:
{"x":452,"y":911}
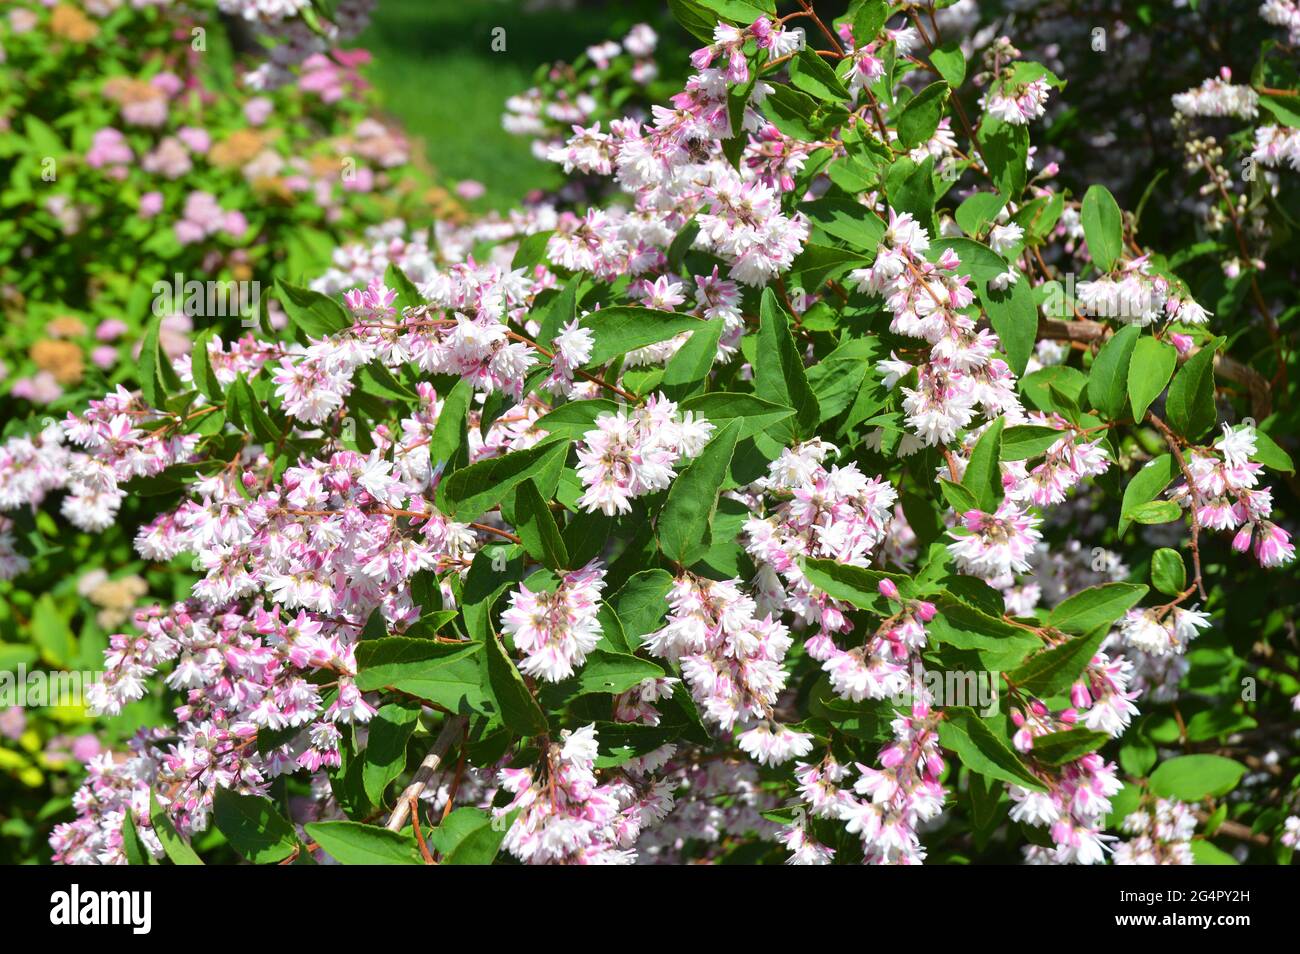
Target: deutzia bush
{"x":838,"y":487}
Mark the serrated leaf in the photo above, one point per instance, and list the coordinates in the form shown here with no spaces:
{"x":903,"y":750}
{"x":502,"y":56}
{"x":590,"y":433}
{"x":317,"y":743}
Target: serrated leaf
{"x":1190,"y":778}
{"x":1029,"y":440}
{"x":920,"y":117}
{"x":1108,"y":379}
{"x":1054,"y":670}
{"x":353,"y":843}
{"x":315,"y":315}
{"x":623,"y":328}
{"x":983,"y":476}
{"x":980,"y":750}
{"x":1153,"y":478}
{"x":385,"y":754}
{"x":779,"y":375}
{"x":537,"y":528}
{"x":1150,"y":366}
{"x":613,"y":673}
{"x":683,"y":527}
{"x":1096,"y":606}
{"x":470,"y":491}
{"x":253,"y":827}
{"x":518,"y":708}
{"x":1189,"y":407}
{"x":1103,"y":226}
{"x":469,"y":836}
{"x":205,"y":379}
{"x":176,"y":847}
{"x":1057,"y":748}
{"x":1168,"y":571}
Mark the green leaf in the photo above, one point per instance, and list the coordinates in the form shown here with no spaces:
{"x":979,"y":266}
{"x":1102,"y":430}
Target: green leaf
{"x":642,"y":603}
{"x":1190,"y":778}
{"x":1006,"y":150}
{"x":1207,"y":853}
{"x":408,"y":296}
{"x":537,"y":528}
{"x":1270,"y":455}
{"x":52,"y":634}
{"x":959,"y":498}
{"x":176,"y":847}
{"x":810,"y":73}
{"x":849,"y":221}
{"x":756,"y":416}
{"x":385,"y":755}
{"x":132,"y":846}
{"x":1168,"y":571}
{"x":868,"y":18}
{"x":1154,"y":477}
{"x":1103,"y":226}
{"x":1283,"y":108}
{"x":157,"y":376}
{"x":205,"y":379}
{"x":1155,"y":511}
{"x":1054,"y":670}
{"x":692,"y":15}
{"x":693,"y":361}
{"x":980,"y":750}
{"x":468,"y":836}
{"x":978,"y":210}
{"x":519,"y":710}
{"x":854,"y":584}
{"x":531,"y":250}
{"x":983,"y":477}
{"x":920,"y":117}
{"x":1108,"y":379}
{"x":612,"y":673}
{"x":470,"y":491}
{"x":1190,"y":405}
{"x":1148,"y":372}
{"x":1029,"y":440}
{"x":1057,"y":748}
{"x":779,"y":374}
{"x":950,"y":62}
{"x":377,"y":381}
{"x":684,"y":524}
{"x":1014,"y":317}
{"x":246,"y":412}
{"x":623,"y":328}
{"x":449,"y":432}
{"x":576,"y":418}
{"x":315,"y":315}
{"x":253,"y":827}
{"x":1096,"y":606}
{"x":444,"y":673}
{"x":352,"y":843}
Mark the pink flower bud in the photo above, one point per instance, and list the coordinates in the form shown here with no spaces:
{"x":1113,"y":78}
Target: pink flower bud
{"x":926,"y":611}
{"x":887,"y":589}
{"x":1241,"y":542}
{"x":1079,"y":696}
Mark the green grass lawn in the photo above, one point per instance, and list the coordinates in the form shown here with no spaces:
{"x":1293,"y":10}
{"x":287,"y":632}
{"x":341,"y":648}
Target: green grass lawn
{"x":437,"y":73}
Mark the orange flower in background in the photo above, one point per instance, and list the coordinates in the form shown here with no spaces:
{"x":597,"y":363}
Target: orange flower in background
{"x":71,"y":24}
{"x":63,"y":359}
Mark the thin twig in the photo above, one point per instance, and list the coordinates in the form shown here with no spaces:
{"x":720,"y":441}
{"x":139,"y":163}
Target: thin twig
{"x":451,"y":733}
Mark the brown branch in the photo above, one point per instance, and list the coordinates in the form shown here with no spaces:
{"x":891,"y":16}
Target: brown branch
{"x":452,"y":730}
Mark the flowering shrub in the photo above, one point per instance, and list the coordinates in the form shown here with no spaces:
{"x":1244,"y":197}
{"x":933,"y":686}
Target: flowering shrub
{"x":839,"y":489}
